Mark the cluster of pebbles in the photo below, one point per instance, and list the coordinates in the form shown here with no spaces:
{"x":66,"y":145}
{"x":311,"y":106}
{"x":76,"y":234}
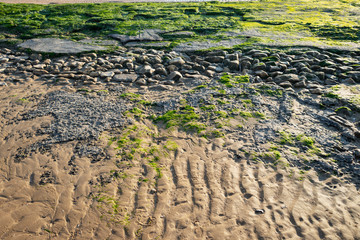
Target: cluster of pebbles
{"x":154,"y":69}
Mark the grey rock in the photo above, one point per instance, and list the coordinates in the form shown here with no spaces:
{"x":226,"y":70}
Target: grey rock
{"x":316,"y":91}
{"x":177,"y":61}
{"x":125,"y":77}
{"x":150,"y":44}
{"x":141,"y":82}
{"x":175,"y":76}
{"x":262,"y":74}
{"x":107,"y":74}
{"x":285,"y":84}
{"x":215,"y":59}
{"x":234,"y":65}
{"x":4,"y":60}
{"x":355,"y":75}
{"x":259,"y":66}
{"x":55,"y":45}
{"x":145,"y":35}
{"x":300,"y":84}
{"x":287,"y":77}
{"x":146,"y":70}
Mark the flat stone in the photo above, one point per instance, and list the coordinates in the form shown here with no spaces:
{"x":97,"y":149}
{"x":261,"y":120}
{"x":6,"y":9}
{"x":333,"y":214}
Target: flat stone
{"x":125,"y":77}
{"x":100,"y":42}
{"x":148,"y":44}
{"x":287,"y":77}
{"x":145,"y":35}
{"x":196,"y":46}
{"x":181,"y":34}
{"x":55,"y":45}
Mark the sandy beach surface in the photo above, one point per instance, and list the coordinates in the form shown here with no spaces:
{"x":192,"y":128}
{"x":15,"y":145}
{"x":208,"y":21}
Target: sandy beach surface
{"x":204,"y":193}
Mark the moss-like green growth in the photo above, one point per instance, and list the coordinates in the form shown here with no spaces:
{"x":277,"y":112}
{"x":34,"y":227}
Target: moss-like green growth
{"x":230,"y":81}
{"x":171,"y":146}
{"x":131,"y":96}
{"x":208,"y":107}
{"x":245,"y":115}
{"x":185,"y":117}
{"x":331,"y":95}
{"x":343,"y":108}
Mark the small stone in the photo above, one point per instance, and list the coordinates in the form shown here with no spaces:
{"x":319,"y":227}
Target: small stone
{"x":285,"y":84}
{"x":300,"y":84}
{"x":124,"y":77}
{"x":146,"y":70}
{"x":209,"y":73}
{"x":349,"y":81}
{"x":330,"y":82}
{"x":259,"y":211}
{"x":287,"y":77}
{"x":175,"y":76}
{"x":141,"y":82}
{"x":4,"y":60}
{"x":262,"y":74}
{"x":315,"y":91}
{"x":259,"y":66}
{"x":107,"y":74}
{"x":234,"y":65}
{"x":214,"y":59}
{"x":176,"y":61}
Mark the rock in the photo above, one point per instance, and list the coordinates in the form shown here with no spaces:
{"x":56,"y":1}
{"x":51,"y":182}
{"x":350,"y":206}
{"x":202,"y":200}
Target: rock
{"x":55,"y":45}
{"x":160,"y":87}
{"x":287,"y":77}
{"x":215,"y":59}
{"x":4,"y":60}
{"x":141,"y":82}
{"x":3,"y":84}
{"x":259,"y":211}
{"x":209,"y":73}
{"x":172,"y":68}
{"x":320,"y":75}
{"x":315,"y":91}
{"x":234,"y":65}
{"x":300,"y":84}
{"x":161,"y":71}
{"x":107,"y":74}
{"x":149,"y":44}
{"x":349,"y":81}
{"x":262,"y":74}
{"x":125,"y":77}
{"x":219,"y":69}
{"x":217,"y":53}
{"x":232,"y":57}
{"x":357,"y":154}
{"x":329,"y":70}
{"x":145,"y":35}
{"x":285,"y":84}
{"x":129,"y":65}
{"x":175,"y":76}
{"x":177,"y":61}
{"x":330,"y":81}
{"x":146,"y":70}
{"x":355,"y":75}
{"x":343,"y":111}
{"x":259,"y":66}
